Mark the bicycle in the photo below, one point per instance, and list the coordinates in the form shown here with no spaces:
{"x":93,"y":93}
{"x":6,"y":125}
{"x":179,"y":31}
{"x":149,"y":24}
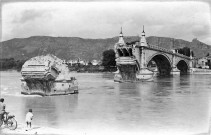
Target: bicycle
{"x":9,"y":121}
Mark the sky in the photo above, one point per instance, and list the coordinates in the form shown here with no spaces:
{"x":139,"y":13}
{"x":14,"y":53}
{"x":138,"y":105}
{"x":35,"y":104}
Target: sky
{"x":178,"y":19}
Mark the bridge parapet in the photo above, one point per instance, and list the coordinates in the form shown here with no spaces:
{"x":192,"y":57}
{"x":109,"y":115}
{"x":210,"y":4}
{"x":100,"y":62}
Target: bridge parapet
{"x":167,"y":51}
{"x":160,"y":48}
{"x":124,"y":47}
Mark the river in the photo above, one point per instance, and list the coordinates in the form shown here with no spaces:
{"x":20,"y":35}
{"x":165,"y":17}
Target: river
{"x":168,"y":105}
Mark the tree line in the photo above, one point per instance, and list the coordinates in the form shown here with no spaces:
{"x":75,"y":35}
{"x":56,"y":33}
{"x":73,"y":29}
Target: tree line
{"x":11,"y":63}
{"x":108,"y":63}
{"x":185,"y":51}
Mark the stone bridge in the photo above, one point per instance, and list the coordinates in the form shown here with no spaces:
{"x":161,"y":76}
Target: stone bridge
{"x":167,"y":61}
{"x":135,"y":60}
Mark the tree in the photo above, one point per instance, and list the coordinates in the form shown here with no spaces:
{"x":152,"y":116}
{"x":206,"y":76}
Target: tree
{"x":11,"y":63}
{"x":89,"y":63}
{"x":19,"y":64}
{"x":185,"y":51}
{"x":109,"y":58}
{"x":192,"y":53}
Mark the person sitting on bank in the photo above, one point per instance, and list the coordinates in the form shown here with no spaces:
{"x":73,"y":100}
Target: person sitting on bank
{"x":29,"y":117}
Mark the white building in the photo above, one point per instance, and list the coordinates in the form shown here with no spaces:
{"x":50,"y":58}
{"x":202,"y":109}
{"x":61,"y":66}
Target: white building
{"x":95,"y":62}
{"x":203,"y":62}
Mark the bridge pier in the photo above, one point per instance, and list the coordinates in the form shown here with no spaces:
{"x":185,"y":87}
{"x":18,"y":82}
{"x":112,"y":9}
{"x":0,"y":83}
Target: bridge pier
{"x":144,"y":74}
{"x":191,"y":70}
{"x":175,"y":71}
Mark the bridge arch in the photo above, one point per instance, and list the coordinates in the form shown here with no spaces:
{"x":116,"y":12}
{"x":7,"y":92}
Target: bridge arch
{"x":163,"y":63}
{"x":183,"y":66}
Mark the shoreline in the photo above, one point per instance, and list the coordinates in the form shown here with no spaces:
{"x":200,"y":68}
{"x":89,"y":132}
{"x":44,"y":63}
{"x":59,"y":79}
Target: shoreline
{"x":21,"y":130}
{"x":35,"y":130}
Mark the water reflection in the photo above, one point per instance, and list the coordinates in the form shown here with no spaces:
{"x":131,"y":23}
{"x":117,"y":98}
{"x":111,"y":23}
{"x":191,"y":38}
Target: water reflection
{"x":163,"y":104}
{"x":128,"y":89}
{"x":107,"y":76}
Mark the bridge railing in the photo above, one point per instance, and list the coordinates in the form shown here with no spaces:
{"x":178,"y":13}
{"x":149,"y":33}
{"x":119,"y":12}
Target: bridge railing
{"x":160,"y":48}
{"x":168,"y":51}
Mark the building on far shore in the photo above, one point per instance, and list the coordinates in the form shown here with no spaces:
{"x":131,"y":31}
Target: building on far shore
{"x":83,"y":62}
{"x":72,"y":62}
{"x":95,"y":62}
{"x":204,"y":62}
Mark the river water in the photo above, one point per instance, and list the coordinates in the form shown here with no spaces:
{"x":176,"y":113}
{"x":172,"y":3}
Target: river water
{"x":168,"y":105}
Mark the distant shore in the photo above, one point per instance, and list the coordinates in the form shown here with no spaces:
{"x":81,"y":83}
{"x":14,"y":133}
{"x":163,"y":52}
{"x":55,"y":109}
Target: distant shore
{"x":11,"y":65}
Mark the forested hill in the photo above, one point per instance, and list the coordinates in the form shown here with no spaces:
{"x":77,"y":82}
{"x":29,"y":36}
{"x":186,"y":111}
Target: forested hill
{"x":87,"y":49}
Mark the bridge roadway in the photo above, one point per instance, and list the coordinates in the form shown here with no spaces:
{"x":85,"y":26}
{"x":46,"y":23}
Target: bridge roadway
{"x":157,"y":48}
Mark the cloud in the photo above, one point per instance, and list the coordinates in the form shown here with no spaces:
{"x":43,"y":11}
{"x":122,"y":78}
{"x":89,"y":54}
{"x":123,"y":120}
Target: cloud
{"x":201,"y":30}
{"x":32,"y":22}
{"x":31,"y":15}
{"x":184,"y":20}
{"x":24,"y":20}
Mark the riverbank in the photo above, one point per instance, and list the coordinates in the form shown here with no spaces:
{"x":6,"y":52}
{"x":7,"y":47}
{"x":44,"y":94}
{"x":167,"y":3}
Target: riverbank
{"x":36,"y":130}
{"x":200,"y":71}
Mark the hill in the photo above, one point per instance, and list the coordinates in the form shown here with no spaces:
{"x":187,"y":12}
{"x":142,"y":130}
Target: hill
{"x":88,"y":49}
